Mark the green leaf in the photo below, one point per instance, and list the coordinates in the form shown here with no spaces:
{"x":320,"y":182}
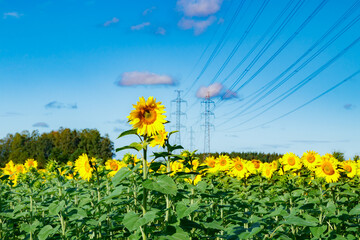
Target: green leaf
{"x":121,"y":175}
{"x":318,"y":231}
{"x":183,"y":211}
{"x":45,"y":232}
{"x":128,"y":132}
{"x":135,"y":146}
{"x":297,"y":221}
{"x":133,"y":221}
{"x":163,"y":184}
{"x":355,"y":210}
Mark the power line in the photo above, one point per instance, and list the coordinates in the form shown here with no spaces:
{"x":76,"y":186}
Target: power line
{"x":178,"y":113}
{"x":303,"y":82}
{"x":308,"y":102}
{"x":257,"y":93}
{"x":207,"y":113}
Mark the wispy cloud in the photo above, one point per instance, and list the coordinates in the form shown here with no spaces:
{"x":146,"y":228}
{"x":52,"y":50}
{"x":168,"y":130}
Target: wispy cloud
{"x":349,"y":106}
{"x":140,"y":26}
{"x":216,"y":90}
{"x":199,"y":26}
{"x":59,"y":105}
{"x":149,"y":10}
{"x":212,"y":90}
{"x":40,"y":124}
{"x":144,"y":78}
{"x":111,"y":22}
{"x":119,"y":130}
{"x":160,"y":31}
{"x":10,"y":114}
{"x":199,"y":8}
{"x":12,"y":14}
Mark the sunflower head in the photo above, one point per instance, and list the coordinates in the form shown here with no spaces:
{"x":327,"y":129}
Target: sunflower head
{"x":223,"y":163}
{"x":114,"y":166}
{"x":291,"y":162}
{"x":159,"y":139}
{"x":349,"y":168}
{"x":267,"y":170}
{"x":328,"y":169}
{"x":238,"y":168}
{"x":31,"y":163}
{"x":310,"y":159}
{"x":84,"y":166}
{"x":148,"y":116}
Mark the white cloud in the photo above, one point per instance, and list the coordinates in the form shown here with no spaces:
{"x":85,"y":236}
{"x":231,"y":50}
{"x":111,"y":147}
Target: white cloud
{"x":60,"y":105}
{"x":112,"y":21}
{"x":12,"y":14}
{"x":199,"y":26}
{"x":199,"y":8}
{"x":144,"y":78}
{"x":160,"y":31}
{"x":212,"y":90}
{"x":140,"y":26}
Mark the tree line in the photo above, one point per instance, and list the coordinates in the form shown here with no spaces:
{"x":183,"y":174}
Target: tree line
{"x":263,"y":157}
{"x":62,"y":146}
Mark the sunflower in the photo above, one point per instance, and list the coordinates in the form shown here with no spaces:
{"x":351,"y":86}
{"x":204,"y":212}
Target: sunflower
{"x":267,"y":170}
{"x":114,"y":166}
{"x":256,"y":166}
{"x":19,"y":168}
{"x":238,"y":169}
{"x":159,"y":139}
{"x":9,"y":168}
{"x":327,"y":169}
{"x":290,"y":162}
{"x":349,"y":167}
{"x":211,"y":163}
{"x":176,"y":166}
{"x":223,"y":163}
{"x":310,"y":159}
{"x":84,"y":166}
{"x":31,"y":163}
{"x":147,"y":117}
{"x":196,"y":180}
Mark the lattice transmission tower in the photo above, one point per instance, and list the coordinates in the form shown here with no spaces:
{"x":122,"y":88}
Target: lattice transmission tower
{"x":208,"y":103}
{"x":178,"y":113}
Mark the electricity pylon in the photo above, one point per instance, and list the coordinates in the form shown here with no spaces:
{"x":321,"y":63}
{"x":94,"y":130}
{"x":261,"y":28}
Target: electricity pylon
{"x":178,"y":114}
{"x":207,"y":113}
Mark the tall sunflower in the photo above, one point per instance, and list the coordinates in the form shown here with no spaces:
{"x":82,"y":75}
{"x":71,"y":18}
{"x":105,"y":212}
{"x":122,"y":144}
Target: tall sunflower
{"x":148,"y":116}
{"x":327,"y":169}
{"x":84,"y":166}
{"x":290,"y":162}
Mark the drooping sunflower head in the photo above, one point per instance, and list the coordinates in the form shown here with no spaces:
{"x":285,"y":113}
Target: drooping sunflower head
{"x":83,"y":165}
{"x":310,"y":159}
{"x":148,"y":116}
{"x":349,"y":168}
{"x":290,"y":162}
{"x":31,"y":163}
{"x":257,"y":165}
{"x":159,"y":139}
{"x":328,"y":169}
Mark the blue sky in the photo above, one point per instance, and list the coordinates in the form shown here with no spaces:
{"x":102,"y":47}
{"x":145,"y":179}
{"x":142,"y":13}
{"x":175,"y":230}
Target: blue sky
{"x":82,"y":64}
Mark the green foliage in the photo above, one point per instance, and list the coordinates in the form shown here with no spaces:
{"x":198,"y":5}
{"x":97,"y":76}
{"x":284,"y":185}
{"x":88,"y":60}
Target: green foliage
{"x":62,"y":145}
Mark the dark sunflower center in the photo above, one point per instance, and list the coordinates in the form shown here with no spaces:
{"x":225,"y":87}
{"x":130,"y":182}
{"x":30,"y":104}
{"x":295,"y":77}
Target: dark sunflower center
{"x":149,"y":116}
{"x":328,"y":169}
{"x":256,"y":164}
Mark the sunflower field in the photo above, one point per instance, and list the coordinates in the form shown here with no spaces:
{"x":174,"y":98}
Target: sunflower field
{"x":172,"y":194}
